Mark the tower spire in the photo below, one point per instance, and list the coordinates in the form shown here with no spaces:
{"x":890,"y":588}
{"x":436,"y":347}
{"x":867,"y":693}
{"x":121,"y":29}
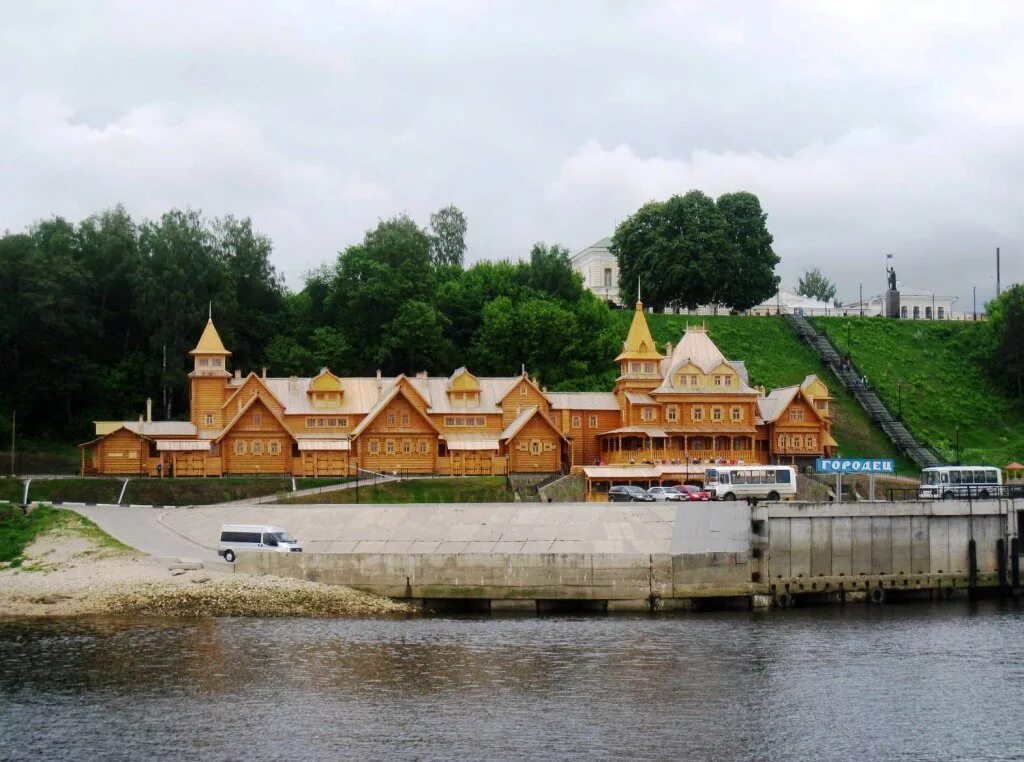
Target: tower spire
{"x":210,"y":315}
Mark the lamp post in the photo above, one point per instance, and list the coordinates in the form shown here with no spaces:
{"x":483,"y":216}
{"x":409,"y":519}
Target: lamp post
{"x":862,"y":300}
{"x":933,"y":306}
{"x":974,"y":309}
{"x":899,"y":399}
{"x":958,"y":445}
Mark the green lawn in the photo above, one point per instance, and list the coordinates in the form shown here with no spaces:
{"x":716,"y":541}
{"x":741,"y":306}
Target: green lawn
{"x":467,"y":489}
{"x":776,"y":357}
{"x":944,"y":383}
{"x":18,"y":531}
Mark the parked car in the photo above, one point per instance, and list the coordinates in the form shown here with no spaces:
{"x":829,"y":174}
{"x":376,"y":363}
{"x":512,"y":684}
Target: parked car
{"x":693,"y":493}
{"x":666,"y":493}
{"x":627,"y":493}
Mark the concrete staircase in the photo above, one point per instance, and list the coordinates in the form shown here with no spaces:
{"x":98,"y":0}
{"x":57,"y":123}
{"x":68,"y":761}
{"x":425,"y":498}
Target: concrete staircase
{"x":865,"y":395}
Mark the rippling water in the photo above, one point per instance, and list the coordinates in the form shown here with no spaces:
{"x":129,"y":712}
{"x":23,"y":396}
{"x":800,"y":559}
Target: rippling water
{"x":921,"y":682}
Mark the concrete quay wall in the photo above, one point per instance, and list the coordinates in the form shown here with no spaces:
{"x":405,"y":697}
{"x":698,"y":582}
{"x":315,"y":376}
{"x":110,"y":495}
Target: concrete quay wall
{"x":516,"y":576}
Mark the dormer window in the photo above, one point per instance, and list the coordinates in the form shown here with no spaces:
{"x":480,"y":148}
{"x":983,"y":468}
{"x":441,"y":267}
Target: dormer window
{"x":215,"y":362}
{"x":204,"y":362}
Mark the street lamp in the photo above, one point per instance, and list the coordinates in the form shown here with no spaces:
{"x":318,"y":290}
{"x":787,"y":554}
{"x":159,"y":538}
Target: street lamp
{"x":862,"y":300}
{"x":933,"y":306}
{"x":958,"y":445}
{"x":974,"y":309}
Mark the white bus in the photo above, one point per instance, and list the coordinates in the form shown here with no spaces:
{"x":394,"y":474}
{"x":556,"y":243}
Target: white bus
{"x":948,"y":482}
{"x":751,"y":482}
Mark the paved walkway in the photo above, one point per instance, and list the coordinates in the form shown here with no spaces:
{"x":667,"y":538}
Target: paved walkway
{"x":142,"y":529}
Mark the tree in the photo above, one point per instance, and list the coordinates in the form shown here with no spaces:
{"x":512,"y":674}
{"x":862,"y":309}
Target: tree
{"x":751,"y":278}
{"x":691,"y":250}
{"x":448,"y":236}
{"x":813,"y":283}
{"x":1006,"y":322}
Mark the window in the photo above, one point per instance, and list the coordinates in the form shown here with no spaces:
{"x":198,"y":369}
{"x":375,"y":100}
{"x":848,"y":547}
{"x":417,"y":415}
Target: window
{"x":389,"y":447}
{"x":737,"y":414}
{"x":798,"y":441}
{"x":811,"y":441}
{"x":257,"y":418}
{"x":647,"y":413}
{"x":321,"y":422}
{"x":535,"y":446}
{"x":716,"y":414}
{"x":407,"y":447}
{"x":917,"y":313}
{"x":204,"y":363}
{"x":783,"y":441}
{"x":257,"y":448}
{"x":672,"y":413}
{"x":796,"y":414}
{"x":374,"y":447}
{"x":592,"y":421}
{"x":576,"y":421}
{"x":718,"y":380}
{"x":648,"y":367}
{"x":523,"y":391}
{"x":693,"y":380}
{"x":391,"y":419}
{"x":424,"y":446}
{"x":942,"y":313}
{"x":274,"y":448}
{"x":311,"y":423}
{"x":215,"y":362}
{"x":449,"y":420}
{"x":239,"y":447}
{"x":405,"y":418}
{"x":208,"y":418}
{"x":607,"y":277}
{"x":927,"y":313}
{"x":903,"y":312}
{"x":728,"y":380}
{"x":697,"y":413}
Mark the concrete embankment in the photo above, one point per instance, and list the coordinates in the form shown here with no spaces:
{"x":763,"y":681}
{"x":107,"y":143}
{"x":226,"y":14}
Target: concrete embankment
{"x":781,"y":553}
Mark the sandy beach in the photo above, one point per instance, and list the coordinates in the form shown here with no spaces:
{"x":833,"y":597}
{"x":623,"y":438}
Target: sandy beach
{"x":66,"y":574}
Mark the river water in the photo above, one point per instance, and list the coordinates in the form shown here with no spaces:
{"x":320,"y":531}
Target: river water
{"x":922,"y":681}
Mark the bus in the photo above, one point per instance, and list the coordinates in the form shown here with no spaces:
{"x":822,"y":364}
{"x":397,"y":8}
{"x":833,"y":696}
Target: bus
{"x":751,"y":482}
{"x":948,"y":482}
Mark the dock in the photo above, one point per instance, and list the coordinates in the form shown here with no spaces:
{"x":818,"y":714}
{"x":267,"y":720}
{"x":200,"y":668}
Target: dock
{"x":693,"y":555}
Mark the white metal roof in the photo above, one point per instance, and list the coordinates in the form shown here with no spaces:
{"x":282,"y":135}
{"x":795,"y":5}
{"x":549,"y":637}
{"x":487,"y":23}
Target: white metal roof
{"x":324,"y":444}
{"x":583,"y":401}
{"x":168,"y":445}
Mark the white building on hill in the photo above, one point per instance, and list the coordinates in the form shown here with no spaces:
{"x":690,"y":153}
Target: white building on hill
{"x":914,"y":305}
{"x":600,"y":270}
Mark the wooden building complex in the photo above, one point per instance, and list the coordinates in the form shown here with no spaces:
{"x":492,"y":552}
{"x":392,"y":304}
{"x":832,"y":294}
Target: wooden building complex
{"x":688,"y":406}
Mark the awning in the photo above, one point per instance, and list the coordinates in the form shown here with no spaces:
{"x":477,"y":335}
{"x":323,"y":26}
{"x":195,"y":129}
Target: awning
{"x":647,"y":431}
{"x":473,"y":444}
{"x":179,"y":445}
{"x":828,"y":441}
{"x":323,"y":444}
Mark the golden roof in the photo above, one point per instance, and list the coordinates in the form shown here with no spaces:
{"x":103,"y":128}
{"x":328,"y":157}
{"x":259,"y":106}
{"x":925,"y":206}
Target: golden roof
{"x":209,"y":342}
{"x":639,"y":345}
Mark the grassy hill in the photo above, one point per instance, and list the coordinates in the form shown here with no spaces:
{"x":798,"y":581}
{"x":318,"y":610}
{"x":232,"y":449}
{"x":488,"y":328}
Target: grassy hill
{"x":944,"y":383}
{"x":776,"y":357}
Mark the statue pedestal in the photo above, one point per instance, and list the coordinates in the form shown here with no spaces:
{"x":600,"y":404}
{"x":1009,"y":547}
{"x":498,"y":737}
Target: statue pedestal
{"x":892,"y":303}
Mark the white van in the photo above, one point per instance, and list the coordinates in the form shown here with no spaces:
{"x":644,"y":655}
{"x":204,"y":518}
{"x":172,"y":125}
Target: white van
{"x":238,"y":537}
{"x":751,"y":482}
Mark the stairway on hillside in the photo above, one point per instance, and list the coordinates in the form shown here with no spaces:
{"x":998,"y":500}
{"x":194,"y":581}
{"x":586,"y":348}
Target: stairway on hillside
{"x":866,"y":396}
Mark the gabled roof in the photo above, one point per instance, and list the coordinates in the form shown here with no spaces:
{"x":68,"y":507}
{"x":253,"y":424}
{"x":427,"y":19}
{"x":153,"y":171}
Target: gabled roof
{"x":524,"y":418}
{"x":149,"y":429}
{"x":639,"y":345}
{"x":382,"y":403}
{"x":252,"y":401}
{"x":324,"y":381}
{"x":515,"y":382}
{"x":259,"y":380}
{"x":209,"y":342}
{"x":777,"y":400}
{"x":602,"y":246}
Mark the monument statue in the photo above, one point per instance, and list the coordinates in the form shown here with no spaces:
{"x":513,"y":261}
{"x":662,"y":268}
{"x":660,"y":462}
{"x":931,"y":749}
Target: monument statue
{"x":891,"y":271}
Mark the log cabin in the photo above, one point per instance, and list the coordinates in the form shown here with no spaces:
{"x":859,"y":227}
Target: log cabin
{"x":689,"y":405}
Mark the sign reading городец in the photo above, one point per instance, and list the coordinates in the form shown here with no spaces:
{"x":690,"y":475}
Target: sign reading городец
{"x":855,"y":466}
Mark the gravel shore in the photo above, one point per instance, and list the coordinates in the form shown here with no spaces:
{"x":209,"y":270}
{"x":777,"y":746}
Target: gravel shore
{"x":68,"y":575}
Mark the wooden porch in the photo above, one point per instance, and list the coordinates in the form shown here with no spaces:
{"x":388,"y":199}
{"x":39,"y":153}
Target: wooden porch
{"x":618,"y":449}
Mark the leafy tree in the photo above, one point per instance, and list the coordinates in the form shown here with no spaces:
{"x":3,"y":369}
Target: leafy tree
{"x":550,"y":273}
{"x":1006,"y":321}
{"x":373,"y":280}
{"x":751,"y":276}
{"x":448,"y":236}
{"x":691,"y":250}
{"x":813,"y":283}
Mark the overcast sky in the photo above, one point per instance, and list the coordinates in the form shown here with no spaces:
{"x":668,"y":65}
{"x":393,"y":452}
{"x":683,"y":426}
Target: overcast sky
{"x":865,"y":128}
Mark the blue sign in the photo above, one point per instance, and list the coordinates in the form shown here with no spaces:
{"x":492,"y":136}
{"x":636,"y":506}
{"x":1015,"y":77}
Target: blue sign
{"x":855,"y":466}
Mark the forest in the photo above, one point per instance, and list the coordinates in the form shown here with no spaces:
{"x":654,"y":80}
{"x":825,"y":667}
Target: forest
{"x":98,"y":315}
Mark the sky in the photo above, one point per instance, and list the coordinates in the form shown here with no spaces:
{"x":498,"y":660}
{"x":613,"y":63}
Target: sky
{"x":865,"y":128}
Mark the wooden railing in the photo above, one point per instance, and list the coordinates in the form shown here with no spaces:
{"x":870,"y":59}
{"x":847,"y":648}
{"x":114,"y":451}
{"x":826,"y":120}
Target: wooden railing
{"x":683,"y":456}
